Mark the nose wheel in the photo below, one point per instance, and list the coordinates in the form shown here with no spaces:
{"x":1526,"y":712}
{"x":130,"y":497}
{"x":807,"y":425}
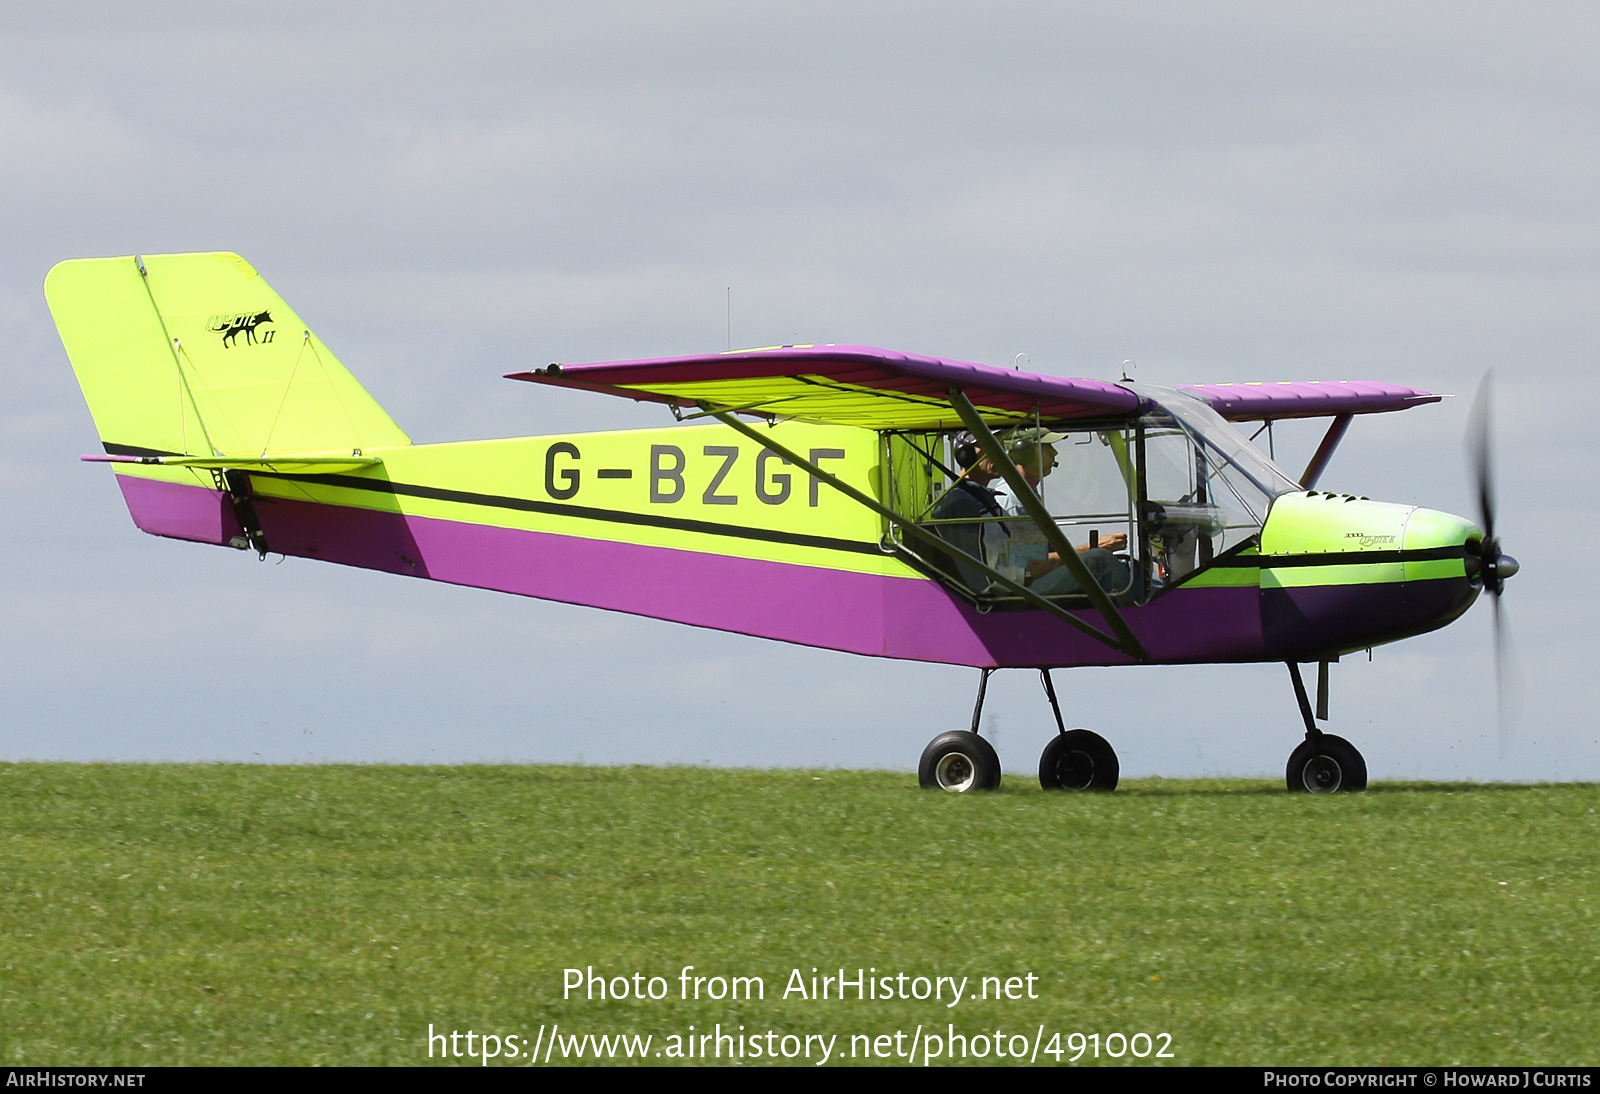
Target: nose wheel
{"x":1322,"y":763}
{"x":1330,"y":766}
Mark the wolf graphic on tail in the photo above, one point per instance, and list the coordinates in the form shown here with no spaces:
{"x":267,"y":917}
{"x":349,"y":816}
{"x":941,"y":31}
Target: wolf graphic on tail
{"x":231,"y":326}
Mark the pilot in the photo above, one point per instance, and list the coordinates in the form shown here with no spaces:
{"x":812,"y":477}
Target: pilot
{"x":1034,"y":453}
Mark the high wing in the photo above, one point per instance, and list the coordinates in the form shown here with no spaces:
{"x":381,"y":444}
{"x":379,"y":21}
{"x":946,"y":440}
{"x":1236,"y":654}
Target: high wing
{"x":845,"y":385}
{"x":882,"y":389}
{"x":1307,"y":398}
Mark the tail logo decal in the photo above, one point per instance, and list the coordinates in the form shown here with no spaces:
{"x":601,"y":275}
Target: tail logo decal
{"x":245,"y":323}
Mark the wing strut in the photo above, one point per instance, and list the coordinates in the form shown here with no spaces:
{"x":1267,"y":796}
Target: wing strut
{"x":1030,"y":501}
{"x":919,"y":532}
{"x":1330,"y":441}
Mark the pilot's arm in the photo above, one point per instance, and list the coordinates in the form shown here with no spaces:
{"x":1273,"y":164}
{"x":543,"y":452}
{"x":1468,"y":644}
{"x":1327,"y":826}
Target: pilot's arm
{"x":1116,"y":541}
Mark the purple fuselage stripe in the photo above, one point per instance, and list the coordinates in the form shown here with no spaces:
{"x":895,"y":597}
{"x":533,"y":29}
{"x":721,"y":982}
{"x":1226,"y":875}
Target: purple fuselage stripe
{"x":910,"y":618}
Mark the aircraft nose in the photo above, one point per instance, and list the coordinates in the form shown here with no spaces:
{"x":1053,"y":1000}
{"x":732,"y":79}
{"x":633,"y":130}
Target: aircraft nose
{"x":1342,"y":573}
{"x":1440,"y":550}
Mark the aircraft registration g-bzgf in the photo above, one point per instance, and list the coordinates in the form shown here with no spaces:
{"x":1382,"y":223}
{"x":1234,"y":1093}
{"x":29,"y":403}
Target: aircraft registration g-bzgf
{"x":832,"y":496}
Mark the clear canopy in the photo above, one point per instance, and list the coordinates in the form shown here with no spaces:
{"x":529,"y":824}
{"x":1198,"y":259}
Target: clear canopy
{"x":1147,"y":501}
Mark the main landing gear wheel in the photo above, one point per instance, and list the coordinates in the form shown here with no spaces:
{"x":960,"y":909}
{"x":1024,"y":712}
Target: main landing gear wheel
{"x":1078,"y":760}
{"x":1331,"y":766}
{"x":959,"y":761}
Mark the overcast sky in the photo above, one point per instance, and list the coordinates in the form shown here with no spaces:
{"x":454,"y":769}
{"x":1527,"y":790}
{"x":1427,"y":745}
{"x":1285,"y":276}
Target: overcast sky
{"x":1225,"y":191}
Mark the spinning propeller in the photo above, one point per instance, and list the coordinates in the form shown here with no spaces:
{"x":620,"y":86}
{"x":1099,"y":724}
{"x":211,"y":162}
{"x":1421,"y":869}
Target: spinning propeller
{"x":1485,"y":562}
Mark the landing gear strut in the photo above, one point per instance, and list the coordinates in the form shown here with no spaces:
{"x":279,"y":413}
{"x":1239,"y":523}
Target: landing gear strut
{"x":1322,"y":763}
{"x":1075,"y":759}
{"x":961,"y":760}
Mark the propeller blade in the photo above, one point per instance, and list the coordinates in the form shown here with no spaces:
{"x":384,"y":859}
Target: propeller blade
{"x":1495,"y":566}
{"x":1480,"y":451}
{"x":1508,"y":678}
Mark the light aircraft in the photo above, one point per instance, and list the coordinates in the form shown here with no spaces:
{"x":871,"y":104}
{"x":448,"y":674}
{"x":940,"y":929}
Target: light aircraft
{"x":816,"y":494}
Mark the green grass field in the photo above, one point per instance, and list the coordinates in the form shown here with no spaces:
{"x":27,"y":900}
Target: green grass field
{"x":288,"y":915}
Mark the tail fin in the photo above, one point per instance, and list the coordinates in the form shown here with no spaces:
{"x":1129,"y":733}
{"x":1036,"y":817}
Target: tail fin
{"x":195,"y":355}
{"x":193,"y":367}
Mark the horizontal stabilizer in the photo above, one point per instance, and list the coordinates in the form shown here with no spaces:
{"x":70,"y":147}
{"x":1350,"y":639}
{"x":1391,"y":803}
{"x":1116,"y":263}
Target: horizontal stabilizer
{"x":285,"y":462}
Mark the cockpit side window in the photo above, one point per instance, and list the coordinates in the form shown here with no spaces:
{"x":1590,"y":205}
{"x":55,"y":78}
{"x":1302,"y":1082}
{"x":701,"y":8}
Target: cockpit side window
{"x":1146,"y":502}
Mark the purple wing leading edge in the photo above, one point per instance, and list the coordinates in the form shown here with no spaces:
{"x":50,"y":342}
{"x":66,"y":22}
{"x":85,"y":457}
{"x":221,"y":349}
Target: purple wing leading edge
{"x":882,"y":389}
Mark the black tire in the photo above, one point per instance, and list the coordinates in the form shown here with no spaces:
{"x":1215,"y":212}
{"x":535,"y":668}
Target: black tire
{"x":1078,"y":759}
{"x":957,"y":762}
{"x":1334,"y":767}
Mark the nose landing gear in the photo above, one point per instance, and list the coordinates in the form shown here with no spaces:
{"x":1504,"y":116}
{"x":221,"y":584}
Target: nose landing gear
{"x":1331,"y":766}
{"x":1322,"y":763}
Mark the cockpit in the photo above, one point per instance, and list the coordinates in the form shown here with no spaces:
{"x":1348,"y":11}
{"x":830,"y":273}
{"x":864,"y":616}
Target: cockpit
{"x":1147,"y":503}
